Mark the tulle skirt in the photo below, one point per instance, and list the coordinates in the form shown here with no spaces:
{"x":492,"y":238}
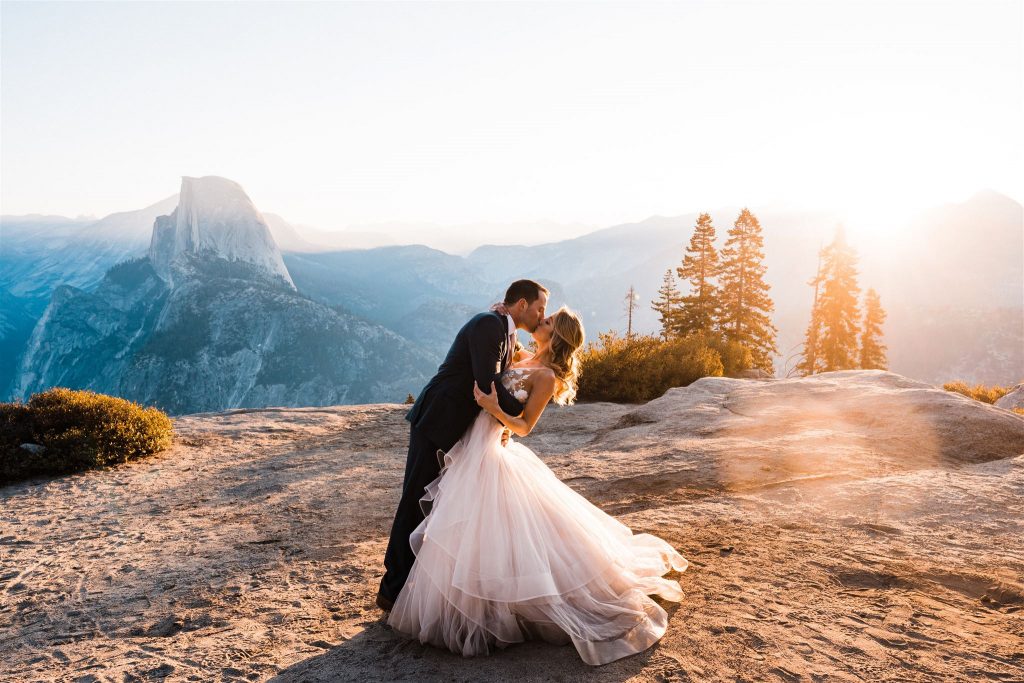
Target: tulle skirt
{"x":508,"y":552}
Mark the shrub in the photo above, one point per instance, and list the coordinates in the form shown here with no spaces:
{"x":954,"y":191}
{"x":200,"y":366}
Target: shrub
{"x":978,"y":392}
{"x":78,"y":430}
{"x":643,"y":367}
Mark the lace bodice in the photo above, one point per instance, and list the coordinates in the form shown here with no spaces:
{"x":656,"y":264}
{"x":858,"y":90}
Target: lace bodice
{"x":514,"y":380}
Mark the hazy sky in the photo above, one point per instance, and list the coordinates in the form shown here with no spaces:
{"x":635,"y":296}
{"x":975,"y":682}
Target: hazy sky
{"x":332,"y":114}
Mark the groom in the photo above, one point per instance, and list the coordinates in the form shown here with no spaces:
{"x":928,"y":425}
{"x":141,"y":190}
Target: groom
{"x":446,"y":408}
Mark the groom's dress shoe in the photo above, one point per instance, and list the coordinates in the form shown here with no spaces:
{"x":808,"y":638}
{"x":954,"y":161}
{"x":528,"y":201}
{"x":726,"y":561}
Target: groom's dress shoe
{"x":384,"y":603}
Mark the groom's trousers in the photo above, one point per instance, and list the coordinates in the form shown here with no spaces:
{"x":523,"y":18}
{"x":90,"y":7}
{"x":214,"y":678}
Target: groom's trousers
{"x":421,"y":467}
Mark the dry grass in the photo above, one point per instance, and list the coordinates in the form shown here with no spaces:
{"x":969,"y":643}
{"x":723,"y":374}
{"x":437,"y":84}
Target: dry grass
{"x":979,"y":392}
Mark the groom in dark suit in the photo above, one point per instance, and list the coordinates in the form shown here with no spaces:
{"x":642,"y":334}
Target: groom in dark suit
{"x":446,"y":408}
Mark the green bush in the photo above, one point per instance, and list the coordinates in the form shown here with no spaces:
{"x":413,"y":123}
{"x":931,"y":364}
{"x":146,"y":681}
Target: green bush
{"x":644,"y":367}
{"x":978,"y":392}
{"x":78,"y":430}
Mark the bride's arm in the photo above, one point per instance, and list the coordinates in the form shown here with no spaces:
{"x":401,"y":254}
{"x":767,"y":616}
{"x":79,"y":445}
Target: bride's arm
{"x":540,"y":393}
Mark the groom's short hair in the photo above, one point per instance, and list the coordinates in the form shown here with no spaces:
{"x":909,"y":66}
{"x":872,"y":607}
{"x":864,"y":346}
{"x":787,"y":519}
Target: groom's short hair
{"x":524,"y":289}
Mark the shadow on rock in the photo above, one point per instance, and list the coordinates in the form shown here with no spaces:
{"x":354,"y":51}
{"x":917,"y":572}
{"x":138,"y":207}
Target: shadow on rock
{"x":377,"y":652}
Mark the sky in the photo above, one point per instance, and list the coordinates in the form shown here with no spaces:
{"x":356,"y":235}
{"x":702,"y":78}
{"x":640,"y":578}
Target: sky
{"x":337,"y":114}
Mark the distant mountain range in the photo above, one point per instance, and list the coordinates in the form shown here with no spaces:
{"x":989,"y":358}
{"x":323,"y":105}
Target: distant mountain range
{"x":209,"y":319}
{"x":954,"y":294}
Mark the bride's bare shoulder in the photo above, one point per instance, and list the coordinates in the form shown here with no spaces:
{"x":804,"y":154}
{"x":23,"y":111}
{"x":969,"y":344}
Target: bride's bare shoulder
{"x":543,"y":376}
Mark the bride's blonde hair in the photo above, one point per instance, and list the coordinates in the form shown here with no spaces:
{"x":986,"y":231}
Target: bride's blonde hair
{"x":566,"y":343}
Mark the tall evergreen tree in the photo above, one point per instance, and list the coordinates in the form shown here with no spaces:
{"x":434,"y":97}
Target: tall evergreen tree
{"x":837,"y":306}
{"x":811,"y":362}
{"x":667,"y":304}
{"x":872,"y":351}
{"x":631,"y":298}
{"x":745,"y":304}
{"x":699,"y":310}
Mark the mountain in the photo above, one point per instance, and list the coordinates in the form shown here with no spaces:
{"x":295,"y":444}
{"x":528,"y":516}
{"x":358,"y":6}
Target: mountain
{"x":214,"y":219}
{"x":210,"y":319}
{"x":131,"y":230}
{"x":595,"y":271}
{"x":288,"y":237}
{"x":453,"y":239}
{"x":953,"y":289}
{"x":937,"y":295}
{"x":16,"y":322}
{"x":422,"y":294}
{"x":388,"y":283}
{"x":590,"y":273}
{"x":40,"y":253}
{"x":951,"y":284}
{"x":957,"y":255}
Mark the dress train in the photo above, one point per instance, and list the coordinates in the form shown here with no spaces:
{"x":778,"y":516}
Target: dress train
{"x":508,"y":552}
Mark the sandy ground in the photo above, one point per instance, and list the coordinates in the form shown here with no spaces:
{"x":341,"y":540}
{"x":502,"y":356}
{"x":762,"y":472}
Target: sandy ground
{"x":852,"y":528}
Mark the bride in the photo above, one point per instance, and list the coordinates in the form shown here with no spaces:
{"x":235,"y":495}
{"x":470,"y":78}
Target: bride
{"x":507,"y":552}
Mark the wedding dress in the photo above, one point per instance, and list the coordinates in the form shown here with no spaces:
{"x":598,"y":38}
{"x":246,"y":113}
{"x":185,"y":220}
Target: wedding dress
{"x":508,"y":552}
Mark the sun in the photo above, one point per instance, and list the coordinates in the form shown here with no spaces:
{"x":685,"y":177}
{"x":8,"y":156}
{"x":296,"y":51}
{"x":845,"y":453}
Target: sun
{"x":879,"y":224}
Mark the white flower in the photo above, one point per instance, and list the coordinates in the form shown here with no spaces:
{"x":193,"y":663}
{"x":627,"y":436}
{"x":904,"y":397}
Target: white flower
{"x":521,"y":395}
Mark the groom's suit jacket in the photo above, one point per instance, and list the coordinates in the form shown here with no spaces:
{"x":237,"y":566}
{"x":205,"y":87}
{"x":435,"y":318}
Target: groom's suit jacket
{"x":446,"y":407}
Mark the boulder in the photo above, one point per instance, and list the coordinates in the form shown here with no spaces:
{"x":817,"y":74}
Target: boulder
{"x":1014,"y":399}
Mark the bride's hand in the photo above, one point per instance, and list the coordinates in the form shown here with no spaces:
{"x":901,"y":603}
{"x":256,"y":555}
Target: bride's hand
{"x":486,"y":401}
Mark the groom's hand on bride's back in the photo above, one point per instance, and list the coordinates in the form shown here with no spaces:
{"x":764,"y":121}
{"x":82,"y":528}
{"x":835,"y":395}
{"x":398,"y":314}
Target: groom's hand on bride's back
{"x":505,"y":433}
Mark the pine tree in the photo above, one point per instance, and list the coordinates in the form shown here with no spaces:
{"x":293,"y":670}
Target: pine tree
{"x":837,"y":307}
{"x":699,"y":310}
{"x":631,"y":298}
{"x":811,"y":361}
{"x":872,"y":351}
{"x":667,"y":304}
{"x":745,"y":304}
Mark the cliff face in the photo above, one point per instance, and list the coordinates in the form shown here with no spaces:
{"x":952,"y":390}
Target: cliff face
{"x":85,"y":340}
{"x":210,"y":320}
{"x":227,"y":344}
{"x":214,"y":220}
{"x":849,"y":526}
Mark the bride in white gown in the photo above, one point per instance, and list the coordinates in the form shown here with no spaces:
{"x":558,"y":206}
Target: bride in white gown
{"x":508,"y":552}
